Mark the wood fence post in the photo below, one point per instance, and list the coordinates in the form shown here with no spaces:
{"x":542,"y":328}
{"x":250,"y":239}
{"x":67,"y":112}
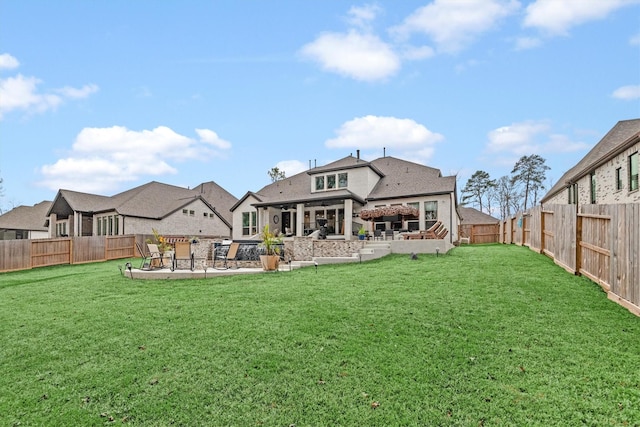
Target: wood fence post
{"x":542,"y":226}
{"x":578,"y":243}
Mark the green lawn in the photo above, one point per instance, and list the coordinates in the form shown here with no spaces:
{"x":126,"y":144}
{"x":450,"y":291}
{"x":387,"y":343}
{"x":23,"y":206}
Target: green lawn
{"x":485,"y":335}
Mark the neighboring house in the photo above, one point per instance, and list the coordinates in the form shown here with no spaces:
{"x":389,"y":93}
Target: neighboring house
{"x":335,"y":194}
{"x":25,"y":222}
{"x":201,"y":211}
{"x":478,"y":226}
{"x":608,"y":174}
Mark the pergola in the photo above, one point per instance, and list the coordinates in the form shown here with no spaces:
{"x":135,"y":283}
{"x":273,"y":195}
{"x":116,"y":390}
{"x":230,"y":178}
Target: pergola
{"x":386,"y":211}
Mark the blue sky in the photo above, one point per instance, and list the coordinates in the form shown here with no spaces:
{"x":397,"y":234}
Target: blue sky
{"x":101,"y":96}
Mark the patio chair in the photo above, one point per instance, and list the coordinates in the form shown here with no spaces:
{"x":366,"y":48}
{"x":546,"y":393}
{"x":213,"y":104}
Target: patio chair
{"x":182,"y":253}
{"x":389,"y":234}
{"x":377,"y":234}
{"x":148,"y":260}
{"x":219,"y":254}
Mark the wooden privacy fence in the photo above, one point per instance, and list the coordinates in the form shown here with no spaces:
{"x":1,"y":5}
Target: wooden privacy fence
{"x":601,"y":242}
{"x":480,"y":233}
{"x":25,"y":254}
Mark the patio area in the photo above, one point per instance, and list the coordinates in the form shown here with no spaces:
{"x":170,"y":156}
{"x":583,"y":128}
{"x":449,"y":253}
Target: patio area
{"x":166,"y":273}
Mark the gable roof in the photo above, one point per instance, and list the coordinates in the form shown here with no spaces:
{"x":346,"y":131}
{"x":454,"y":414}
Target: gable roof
{"x":623,"y":135}
{"x":26,"y":217}
{"x":474,"y":216}
{"x":402,"y":178}
{"x":398,"y":178}
{"x":151,"y":200}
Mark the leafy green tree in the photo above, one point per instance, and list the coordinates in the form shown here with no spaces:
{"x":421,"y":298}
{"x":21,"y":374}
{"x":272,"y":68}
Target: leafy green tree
{"x":530,"y":171}
{"x":477,"y":189}
{"x":276,"y":174}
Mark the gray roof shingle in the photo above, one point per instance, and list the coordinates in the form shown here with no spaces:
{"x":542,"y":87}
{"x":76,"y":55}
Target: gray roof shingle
{"x":398,"y":178}
{"x":26,"y":217}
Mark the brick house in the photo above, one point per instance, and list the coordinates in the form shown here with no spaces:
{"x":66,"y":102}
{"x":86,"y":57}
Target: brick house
{"x":336,"y":193}
{"x":608,"y":174}
{"x":201,"y":211}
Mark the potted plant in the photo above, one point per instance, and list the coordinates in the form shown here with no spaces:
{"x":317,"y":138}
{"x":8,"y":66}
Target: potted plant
{"x":271,"y":243}
{"x":362,"y":233}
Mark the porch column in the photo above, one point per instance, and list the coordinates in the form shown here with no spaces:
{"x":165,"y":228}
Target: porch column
{"x":78,"y":226}
{"x":423,"y":218}
{"x":348,"y":219}
{"x":53,"y":218}
{"x":300,"y":219}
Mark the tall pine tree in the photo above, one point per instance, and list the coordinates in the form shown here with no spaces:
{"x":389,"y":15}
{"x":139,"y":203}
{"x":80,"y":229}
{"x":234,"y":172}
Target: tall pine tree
{"x":530,"y":171}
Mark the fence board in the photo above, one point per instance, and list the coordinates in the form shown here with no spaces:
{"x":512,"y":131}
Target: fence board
{"x":88,"y":249}
{"x":14,"y":255}
{"x":602,"y":242}
{"x":50,"y":252}
{"x":595,"y":244}
{"x":25,"y":254}
{"x":118,"y":247}
{"x":535,"y":228}
{"x":564,"y":232}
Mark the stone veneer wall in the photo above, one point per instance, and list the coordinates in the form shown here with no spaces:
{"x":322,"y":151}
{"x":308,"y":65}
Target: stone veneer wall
{"x":305,"y":248}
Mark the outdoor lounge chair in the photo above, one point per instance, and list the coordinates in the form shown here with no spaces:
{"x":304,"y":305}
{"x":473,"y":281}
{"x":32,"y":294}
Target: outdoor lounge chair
{"x":148,"y":260}
{"x":182,"y":253}
{"x":221,"y":254}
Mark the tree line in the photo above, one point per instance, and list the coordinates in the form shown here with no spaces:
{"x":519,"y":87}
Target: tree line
{"x":510,"y":193}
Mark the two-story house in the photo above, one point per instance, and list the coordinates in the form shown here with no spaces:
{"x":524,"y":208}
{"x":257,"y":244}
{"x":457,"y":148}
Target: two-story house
{"x":333,"y":196}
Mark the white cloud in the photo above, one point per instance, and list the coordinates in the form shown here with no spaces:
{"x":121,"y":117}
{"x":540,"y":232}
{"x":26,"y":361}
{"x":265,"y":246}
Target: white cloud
{"x":557,"y":17}
{"x":212,"y":138}
{"x":21,"y":93}
{"x":627,"y":93}
{"x":455,"y":24}
{"x":8,"y":62}
{"x":414,"y":52}
{"x":362,"y":17}
{"x":357,"y":55}
{"x":635,"y":40}
{"x":74,"y":93}
{"x":530,"y":137}
{"x":292,"y":167}
{"x":373,"y":133}
{"x":524,"y":43}
{"x":102,"y":158}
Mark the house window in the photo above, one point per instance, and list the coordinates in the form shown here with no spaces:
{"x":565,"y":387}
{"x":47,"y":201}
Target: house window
{"x":192,"y":213}
{"x":414,"y":224}
{"x":593,"y":187}
{"x":206,"y":214}
{"x":99,"y":230}
{"x":331,"y":181}
{"x":619,"y":179}
{"x":430,"y":213}
{"x":185,"y":211}
{"x":319,"y":183}
{"x":343,"y":180}
{"x":249,"y":225}
{"x":633,"y":171}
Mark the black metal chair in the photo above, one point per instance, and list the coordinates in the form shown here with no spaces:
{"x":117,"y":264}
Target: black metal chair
{"x":224,"y":254}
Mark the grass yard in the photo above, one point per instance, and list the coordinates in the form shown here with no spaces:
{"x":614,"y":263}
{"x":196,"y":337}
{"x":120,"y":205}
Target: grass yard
{"x":483,"y":336}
